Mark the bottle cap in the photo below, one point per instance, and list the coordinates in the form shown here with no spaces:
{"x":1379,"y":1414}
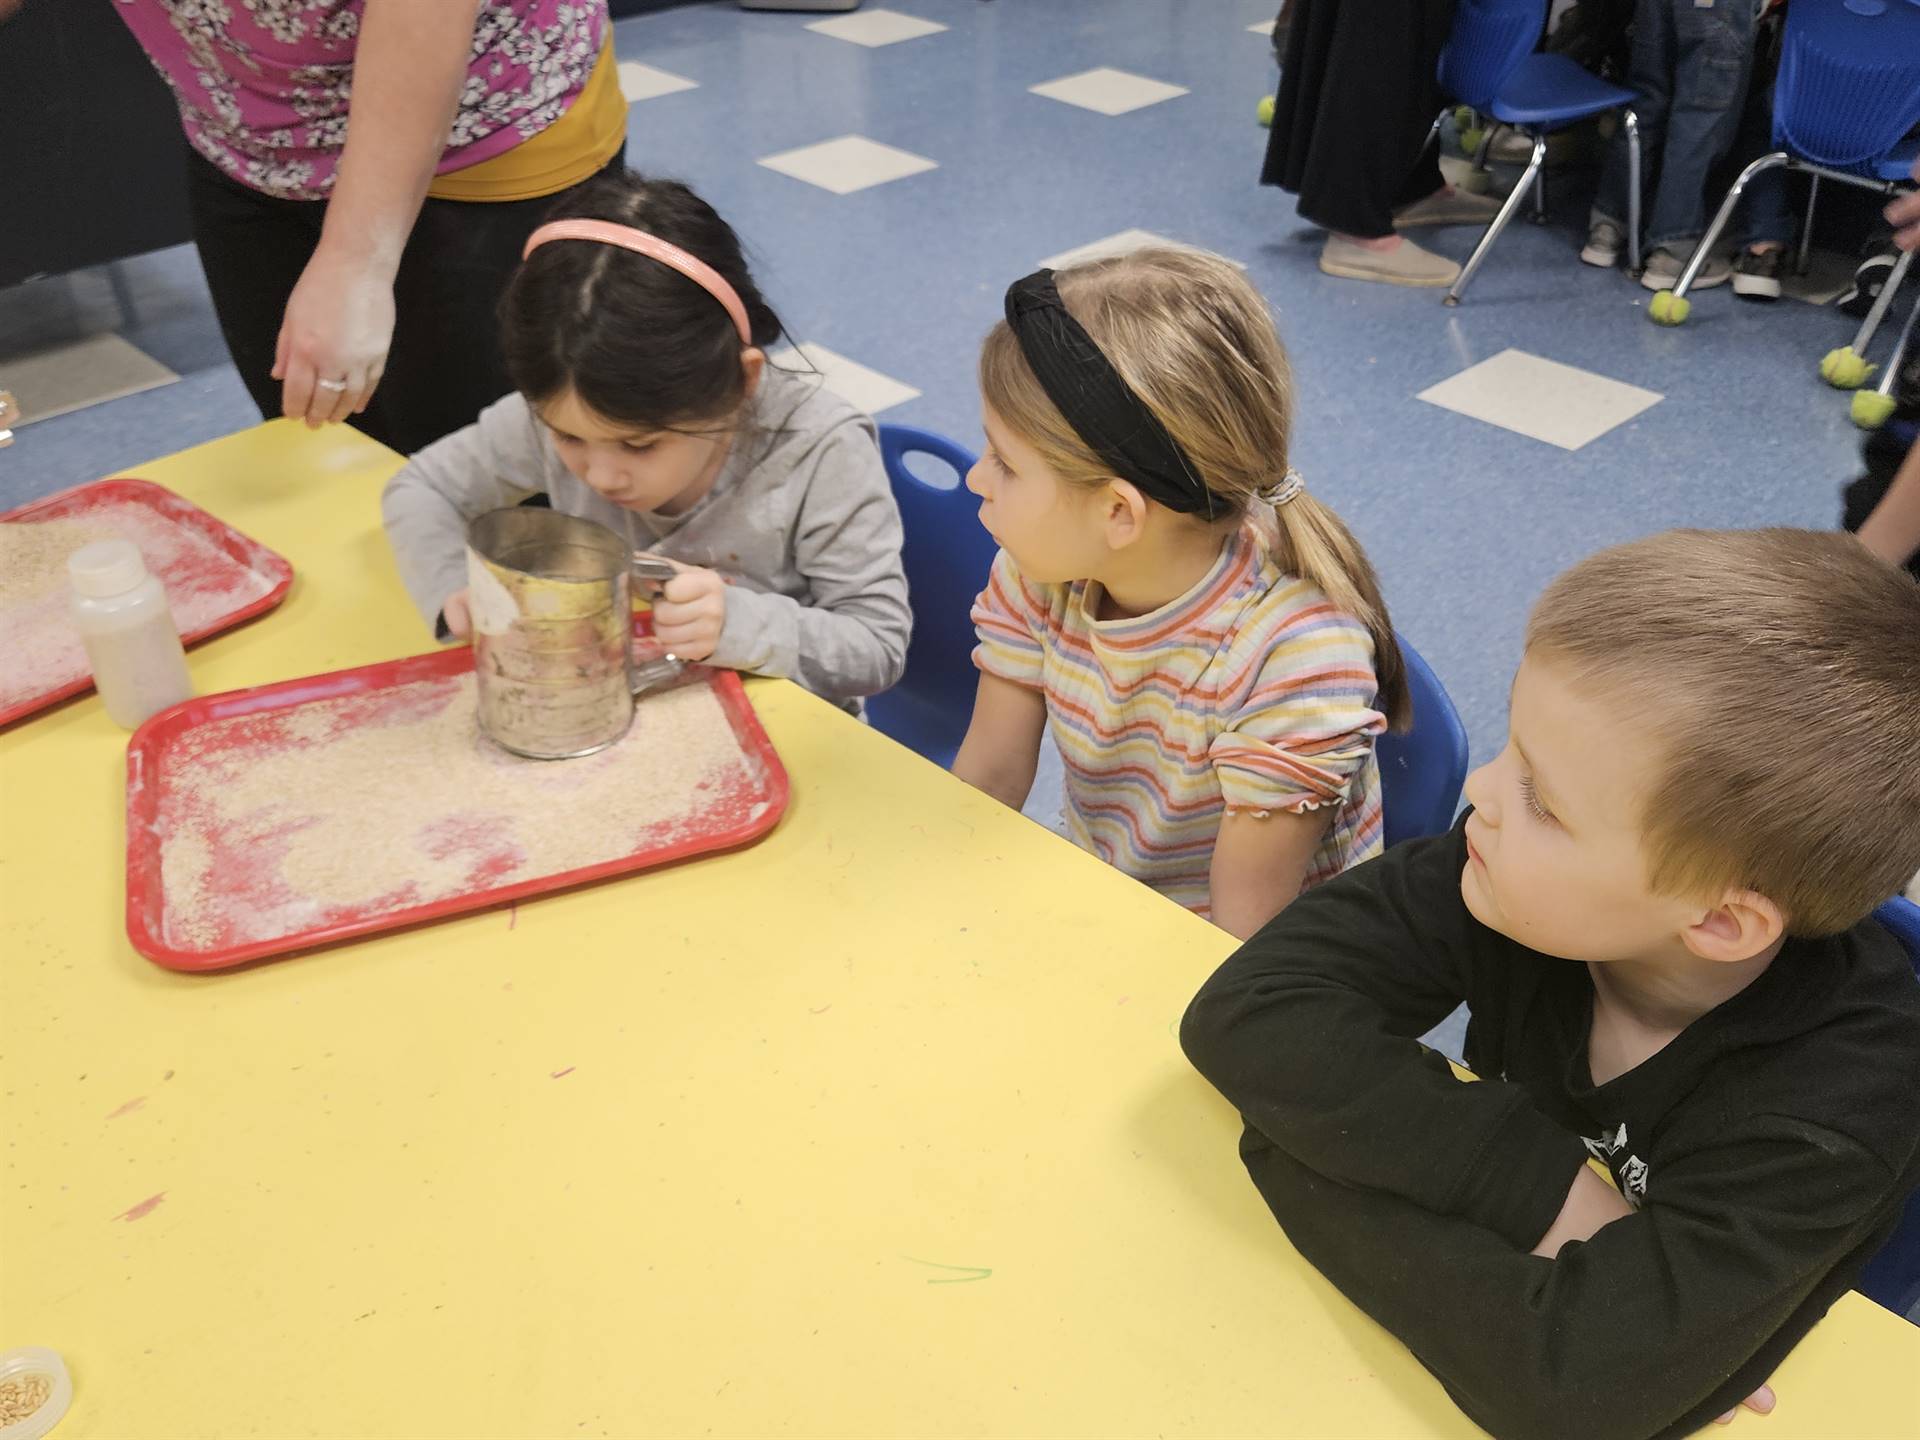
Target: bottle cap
{"x":106,"y":567}
{"x":37,"y":1391}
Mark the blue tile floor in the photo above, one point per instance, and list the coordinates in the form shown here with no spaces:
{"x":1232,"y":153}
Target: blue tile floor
{"x":1466,"y":520}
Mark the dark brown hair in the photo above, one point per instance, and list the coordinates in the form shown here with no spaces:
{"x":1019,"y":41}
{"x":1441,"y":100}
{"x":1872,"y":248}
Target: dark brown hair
{"x":637,"y":341}
{"x":1778,"y":672}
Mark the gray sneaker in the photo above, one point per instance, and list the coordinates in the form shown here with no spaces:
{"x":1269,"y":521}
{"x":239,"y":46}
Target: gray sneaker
{"x":1664,"y":267}
{"x":1605,"y":241}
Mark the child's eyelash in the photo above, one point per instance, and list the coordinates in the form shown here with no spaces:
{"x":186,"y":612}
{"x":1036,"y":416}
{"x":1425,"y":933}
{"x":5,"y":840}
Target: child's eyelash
{"x":1532,"y":797}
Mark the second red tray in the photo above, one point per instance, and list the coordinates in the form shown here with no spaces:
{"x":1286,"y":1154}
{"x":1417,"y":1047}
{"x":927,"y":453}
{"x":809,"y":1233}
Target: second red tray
{"x":215,"y":578}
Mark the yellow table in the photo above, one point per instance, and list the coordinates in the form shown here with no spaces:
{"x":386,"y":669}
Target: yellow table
{"x":878,"y":1128}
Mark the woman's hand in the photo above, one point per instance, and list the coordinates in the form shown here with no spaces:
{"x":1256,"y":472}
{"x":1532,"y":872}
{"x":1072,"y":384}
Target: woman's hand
{"x":690,"y":611}
{"x":334,"y":337}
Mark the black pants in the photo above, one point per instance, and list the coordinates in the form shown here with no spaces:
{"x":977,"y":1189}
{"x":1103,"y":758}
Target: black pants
{"x":444,"y":365}
{"x":1357,"y":94}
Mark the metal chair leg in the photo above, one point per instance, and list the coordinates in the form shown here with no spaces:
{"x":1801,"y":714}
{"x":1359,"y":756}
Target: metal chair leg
{"x":1891,"y":370}
{"x":1433,"y":130}
{"x":1804,"y":259}
{"x":1871,"y":409}
{"x":1720,"y":219}
{"x":1485,"y":147}
{"x":1507,"y":209}
{"x":1881,"y":304}
{"x":1540,"y":190}
{"x":1632,"y":122}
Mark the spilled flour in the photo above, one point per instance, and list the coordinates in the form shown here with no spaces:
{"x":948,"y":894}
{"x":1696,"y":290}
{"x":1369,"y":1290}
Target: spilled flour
{"x":280,"y":823}
{"x":40,"y":651}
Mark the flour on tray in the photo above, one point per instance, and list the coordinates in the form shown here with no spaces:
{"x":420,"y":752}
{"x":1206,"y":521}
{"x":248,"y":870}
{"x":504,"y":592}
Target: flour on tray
{"x":40,"y":651}
{"x":284,"y":822}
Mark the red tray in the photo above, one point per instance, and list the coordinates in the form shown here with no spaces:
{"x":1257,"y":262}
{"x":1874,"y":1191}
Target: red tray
{"x":744,"y":803}
{"x":208,"y":593}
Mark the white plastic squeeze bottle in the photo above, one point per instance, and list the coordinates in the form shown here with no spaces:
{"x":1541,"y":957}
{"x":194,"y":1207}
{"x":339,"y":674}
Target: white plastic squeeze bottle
{"x":121,"y":613}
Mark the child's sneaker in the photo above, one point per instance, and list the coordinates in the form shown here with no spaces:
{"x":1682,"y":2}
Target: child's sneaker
{"x":1605,"y":240}
{"x":1756,"y":273}
{"x":1664,"y":267}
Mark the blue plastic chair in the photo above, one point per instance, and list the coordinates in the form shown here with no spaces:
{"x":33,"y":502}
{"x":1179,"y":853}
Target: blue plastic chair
{"x":1892,"y":1277}
{"x":1489,"y":65}
{"x":947,"y":554}
{"x":1847,"y":93}
{"x":1422,"y":769}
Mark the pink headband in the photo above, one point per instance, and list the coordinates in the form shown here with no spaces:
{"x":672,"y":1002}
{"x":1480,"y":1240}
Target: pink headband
{"x":641,"y":243}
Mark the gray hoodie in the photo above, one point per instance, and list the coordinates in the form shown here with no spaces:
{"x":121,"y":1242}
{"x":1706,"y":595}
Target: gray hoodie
{"x":801,"y":519}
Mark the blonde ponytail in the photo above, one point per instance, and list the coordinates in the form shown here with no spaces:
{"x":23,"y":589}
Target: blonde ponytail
{"x":1310,"y":541}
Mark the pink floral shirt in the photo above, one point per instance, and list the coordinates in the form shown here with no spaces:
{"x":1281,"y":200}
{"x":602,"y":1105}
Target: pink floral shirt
{"x":263,"y":84}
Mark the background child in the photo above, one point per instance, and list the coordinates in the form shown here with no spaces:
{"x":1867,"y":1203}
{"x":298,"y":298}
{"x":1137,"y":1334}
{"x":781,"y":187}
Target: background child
{"x":1691,"y":62}
{"x":1658,"y":912}
{"x":645,"y":402}
{"x":1206,"y":638}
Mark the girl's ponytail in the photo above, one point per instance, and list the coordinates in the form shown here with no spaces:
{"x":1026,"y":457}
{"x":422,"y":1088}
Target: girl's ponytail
{"x":1314,"y":543}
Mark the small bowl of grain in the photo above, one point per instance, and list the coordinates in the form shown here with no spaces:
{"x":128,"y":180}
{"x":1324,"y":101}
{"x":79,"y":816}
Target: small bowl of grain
{"x":34,"y":1392}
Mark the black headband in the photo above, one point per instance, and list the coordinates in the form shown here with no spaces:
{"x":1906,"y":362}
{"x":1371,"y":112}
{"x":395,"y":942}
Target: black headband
{"x":1097,"y":401}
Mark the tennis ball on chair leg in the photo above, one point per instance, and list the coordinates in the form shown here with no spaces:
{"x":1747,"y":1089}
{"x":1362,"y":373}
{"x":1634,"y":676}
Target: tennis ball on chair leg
{"x":1265,"y":110}
{"x":1471,"y":138}
{"x":1871,"y":409}
{"x":1669,"y":309}
{"x":1845,"y":370}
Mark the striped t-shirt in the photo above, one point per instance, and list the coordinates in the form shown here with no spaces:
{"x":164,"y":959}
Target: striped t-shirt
{"x":1250,"y":691}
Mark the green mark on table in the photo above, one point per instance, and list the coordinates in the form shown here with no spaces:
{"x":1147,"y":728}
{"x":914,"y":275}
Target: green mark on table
{"x":961,"y":1276}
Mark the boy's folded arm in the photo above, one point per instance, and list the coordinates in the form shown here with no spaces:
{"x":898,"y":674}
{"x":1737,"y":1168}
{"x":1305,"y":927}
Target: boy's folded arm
{"x":498,"y":460}
{"x":851,"y":639}
{"x":1309,"y":1030}
{"x":1660,"y":1322}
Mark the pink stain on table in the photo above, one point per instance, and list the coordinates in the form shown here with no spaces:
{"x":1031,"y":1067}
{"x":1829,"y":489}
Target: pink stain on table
{"x":555,"y":1075}
{"x":128,"y":1108}
{"x":145,"y":1208}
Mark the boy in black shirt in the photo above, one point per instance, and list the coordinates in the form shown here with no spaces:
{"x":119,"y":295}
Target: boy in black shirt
{"x":1658,"y":911}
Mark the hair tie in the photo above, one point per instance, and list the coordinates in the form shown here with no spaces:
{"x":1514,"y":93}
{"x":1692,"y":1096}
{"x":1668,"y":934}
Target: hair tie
{"x":1286,"y":490}
{"x":1095,"y":399}
{"x":606,"y":232}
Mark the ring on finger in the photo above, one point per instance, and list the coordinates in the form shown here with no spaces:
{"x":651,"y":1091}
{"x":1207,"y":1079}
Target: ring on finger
{"x":336,"y":386}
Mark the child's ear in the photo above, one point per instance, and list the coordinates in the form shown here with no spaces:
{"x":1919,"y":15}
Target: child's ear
{"x":1126,"y":513}
{"x":753,"y":364}
{"x":1744,"y":924}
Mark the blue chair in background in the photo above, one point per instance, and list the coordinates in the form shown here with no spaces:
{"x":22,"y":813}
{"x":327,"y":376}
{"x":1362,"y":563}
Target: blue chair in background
{"x":947,"y":555}
{"x":1892,"y":1277}
{"x":1846,"y":96}
{"x":1490,"y":66}
{"x":1422,"y":770}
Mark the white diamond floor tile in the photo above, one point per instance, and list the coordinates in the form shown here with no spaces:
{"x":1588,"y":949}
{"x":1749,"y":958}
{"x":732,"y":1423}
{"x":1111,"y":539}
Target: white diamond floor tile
{"x":850,"y":163}
{"x":874,"y":28}
{"x":1107,"y":91}
{"x":861,"y":387}
{"x":1124,"y":243}
{"x":1562,"y":405}
{"x":643,"y":82}
{"x":73,"y":376}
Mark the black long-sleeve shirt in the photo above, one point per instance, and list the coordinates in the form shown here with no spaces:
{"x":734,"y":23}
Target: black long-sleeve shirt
{"x":1767,"y":1148}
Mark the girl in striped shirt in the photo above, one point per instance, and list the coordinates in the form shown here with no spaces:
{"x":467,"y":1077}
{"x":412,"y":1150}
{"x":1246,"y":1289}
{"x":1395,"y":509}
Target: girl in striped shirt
{"x":1206,"y":639}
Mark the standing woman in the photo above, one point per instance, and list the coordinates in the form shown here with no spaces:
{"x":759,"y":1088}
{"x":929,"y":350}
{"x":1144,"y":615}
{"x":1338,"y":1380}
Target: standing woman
{"x":1357,"y":96}
{"x":364,"y":175}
